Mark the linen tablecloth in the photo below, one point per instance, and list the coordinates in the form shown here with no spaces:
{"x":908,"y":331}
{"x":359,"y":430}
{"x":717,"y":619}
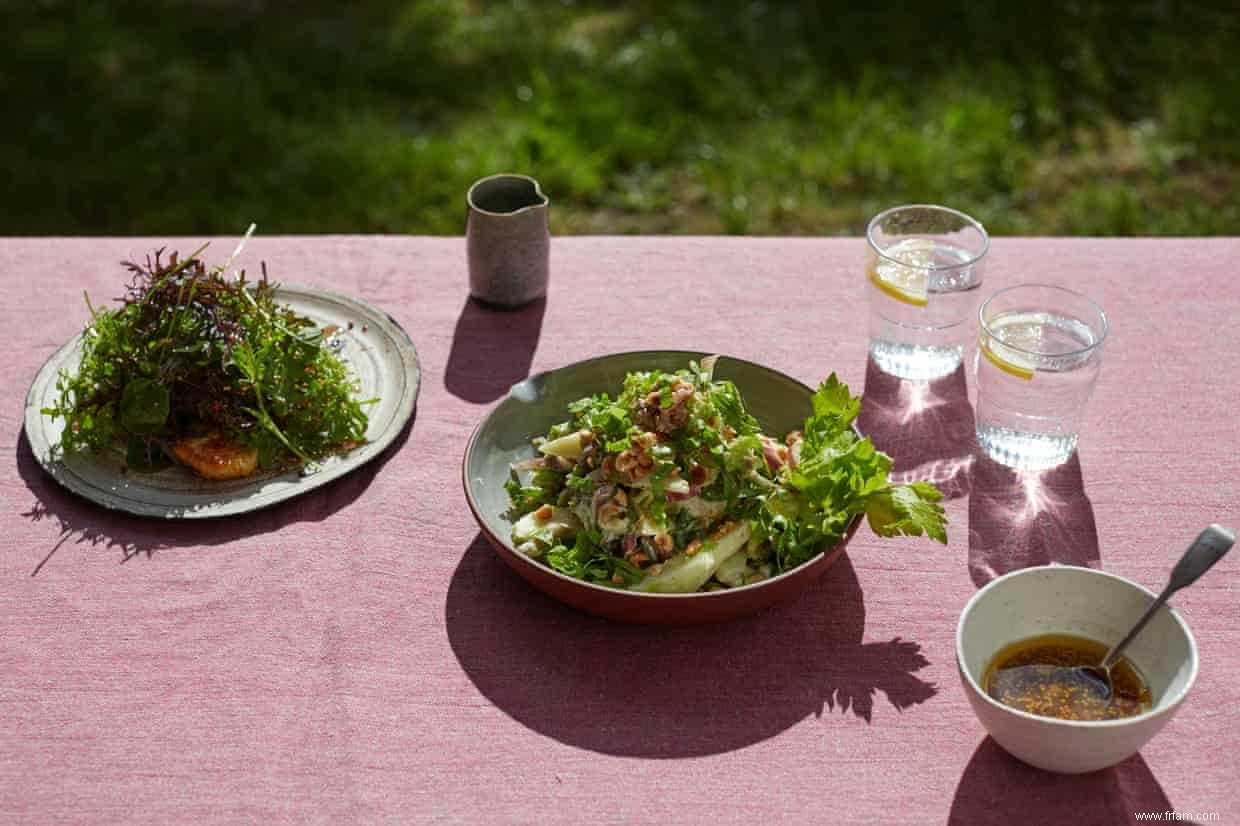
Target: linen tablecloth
{"x":360,"y":654}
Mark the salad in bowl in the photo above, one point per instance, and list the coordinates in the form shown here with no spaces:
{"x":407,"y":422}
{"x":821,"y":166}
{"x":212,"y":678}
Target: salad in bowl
{"x":671,"y":487}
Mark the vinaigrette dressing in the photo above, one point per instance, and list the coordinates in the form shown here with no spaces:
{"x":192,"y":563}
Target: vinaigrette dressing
{"x":1071,"y":695}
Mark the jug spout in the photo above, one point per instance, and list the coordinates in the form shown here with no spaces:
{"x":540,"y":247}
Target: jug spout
{"x":506,"y":195}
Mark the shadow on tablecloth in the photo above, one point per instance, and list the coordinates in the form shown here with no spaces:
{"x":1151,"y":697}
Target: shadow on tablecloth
{"x":1018,"y":519}
{"x":996,"y":788}
{"x":926,"y":427}
{"x":492,"y":349}
{"x":85,"y":524}
{"x":673,"y":692}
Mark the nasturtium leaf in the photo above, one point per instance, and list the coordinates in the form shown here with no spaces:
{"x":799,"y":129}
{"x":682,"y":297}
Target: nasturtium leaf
{"x":144,"y":407}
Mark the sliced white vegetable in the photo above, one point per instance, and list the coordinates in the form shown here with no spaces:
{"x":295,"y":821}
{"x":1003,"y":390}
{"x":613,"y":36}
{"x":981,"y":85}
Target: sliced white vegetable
{"x":570,"y":446}
{"x":703,"y":510}
{"x":647,"y":526}
{"x":707,"y":366}
{"x":685,"y":574}
{"x":562,"y":524}
{"x":733,"y":571}
{"x":676,"y":485}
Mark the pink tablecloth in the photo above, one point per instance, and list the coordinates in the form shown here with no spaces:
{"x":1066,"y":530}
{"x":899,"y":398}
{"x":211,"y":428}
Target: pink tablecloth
{"x":361,"y":655}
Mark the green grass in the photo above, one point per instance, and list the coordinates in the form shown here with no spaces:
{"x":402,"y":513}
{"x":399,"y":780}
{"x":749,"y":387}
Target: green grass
{"x":740,"y":117}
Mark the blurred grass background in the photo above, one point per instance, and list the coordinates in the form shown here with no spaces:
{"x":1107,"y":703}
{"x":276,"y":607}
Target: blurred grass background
{"x":769,"y":117}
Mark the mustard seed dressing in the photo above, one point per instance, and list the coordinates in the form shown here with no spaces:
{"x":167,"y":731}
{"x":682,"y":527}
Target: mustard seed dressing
{"x":1070,"y":695}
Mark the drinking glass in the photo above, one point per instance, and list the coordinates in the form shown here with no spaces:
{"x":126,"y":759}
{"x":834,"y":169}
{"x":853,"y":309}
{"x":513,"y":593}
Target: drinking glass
{"x":1039,"y":353}
{"x":924,"y":272}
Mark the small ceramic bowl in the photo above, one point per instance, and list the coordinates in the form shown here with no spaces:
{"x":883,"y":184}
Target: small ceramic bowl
{"x":1087,"y":603}
{"x":779,"y":403}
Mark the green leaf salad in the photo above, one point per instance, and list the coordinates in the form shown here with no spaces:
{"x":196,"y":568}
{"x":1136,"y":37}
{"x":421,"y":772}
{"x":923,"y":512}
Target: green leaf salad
{"x":207,"y":369}
{"x":672,"y":487}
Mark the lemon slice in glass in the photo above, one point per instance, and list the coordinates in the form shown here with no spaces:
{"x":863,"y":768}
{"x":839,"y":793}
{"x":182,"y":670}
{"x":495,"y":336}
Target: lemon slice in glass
{"x":907,"y":279}
{"x":1005,"y":358}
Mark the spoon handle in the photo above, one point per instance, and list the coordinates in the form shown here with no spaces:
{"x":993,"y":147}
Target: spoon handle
{"x":1210,"y":546}
{"x":1113,"y":655}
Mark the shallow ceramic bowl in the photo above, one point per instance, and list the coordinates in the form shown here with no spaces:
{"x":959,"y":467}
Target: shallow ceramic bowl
{"x":779,"y":403}
{"x":1086,"y":603}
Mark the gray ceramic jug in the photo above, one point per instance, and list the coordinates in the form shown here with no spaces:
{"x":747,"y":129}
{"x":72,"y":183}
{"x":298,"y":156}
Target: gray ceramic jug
{"x":508,"y":240}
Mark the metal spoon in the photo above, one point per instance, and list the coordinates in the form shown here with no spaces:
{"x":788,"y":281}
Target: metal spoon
{"x":1209,"y":547}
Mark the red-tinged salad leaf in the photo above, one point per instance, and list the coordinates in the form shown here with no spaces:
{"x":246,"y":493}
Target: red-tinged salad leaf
{"x":193,"y":349}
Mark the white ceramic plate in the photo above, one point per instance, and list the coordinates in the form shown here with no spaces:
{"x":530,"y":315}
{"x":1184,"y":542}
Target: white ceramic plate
{"x":378,"y":353}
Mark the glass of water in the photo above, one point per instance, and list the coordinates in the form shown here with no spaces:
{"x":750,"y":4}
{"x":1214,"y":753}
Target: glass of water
{"x":924,"y":272}
{"x":1039,"y":353}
